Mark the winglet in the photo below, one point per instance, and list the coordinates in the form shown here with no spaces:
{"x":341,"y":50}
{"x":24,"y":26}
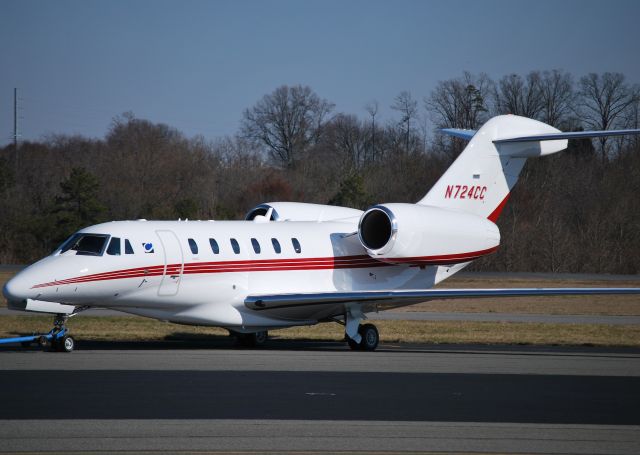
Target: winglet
{"x":456,"y":132}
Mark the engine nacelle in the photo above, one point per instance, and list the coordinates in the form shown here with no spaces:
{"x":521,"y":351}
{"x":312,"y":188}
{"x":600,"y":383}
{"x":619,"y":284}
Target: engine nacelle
{"x":300,"y":211}
{"x":425,"y":235}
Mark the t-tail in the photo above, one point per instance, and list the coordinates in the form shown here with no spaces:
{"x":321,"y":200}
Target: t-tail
{"x":482,"y":177}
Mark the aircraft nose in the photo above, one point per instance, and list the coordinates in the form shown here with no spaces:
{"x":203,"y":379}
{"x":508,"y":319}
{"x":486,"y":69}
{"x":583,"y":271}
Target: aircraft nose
{"x":16,"y":289}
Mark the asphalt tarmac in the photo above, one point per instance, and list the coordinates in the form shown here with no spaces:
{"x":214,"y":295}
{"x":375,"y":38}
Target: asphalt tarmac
{"x":302,"y":397}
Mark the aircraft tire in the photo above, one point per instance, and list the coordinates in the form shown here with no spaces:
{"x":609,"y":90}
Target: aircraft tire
{"x":252,"y":340}
{"x":259,"y":339}
{"x":370,"y":337}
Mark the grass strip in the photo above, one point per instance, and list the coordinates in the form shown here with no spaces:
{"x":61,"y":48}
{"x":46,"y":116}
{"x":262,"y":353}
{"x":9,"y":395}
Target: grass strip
{"x":127,"y":328}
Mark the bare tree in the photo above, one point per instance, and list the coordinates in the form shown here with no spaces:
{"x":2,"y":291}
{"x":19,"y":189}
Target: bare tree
{"x":460,"y":103}
{"x":632,"y":117}
{"x":557,"y":96}
{"x":372,"y":109}
{"x":604,"y":100}
{"x":408,"y":107}
{"x":286,"y":122}
{"x":345,"y":138}
{"x":516,"y":95}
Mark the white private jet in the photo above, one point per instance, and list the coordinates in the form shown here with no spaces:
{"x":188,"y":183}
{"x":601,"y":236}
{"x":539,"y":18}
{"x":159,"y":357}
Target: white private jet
{"x":290,"y":264}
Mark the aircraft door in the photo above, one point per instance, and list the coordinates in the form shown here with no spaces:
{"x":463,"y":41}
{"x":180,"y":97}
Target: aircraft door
{"x":173,"y":263}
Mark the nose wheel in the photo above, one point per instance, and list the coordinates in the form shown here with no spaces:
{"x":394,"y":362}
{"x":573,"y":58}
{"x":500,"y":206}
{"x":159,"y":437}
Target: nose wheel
{"x":64,"y":344}
{"x":59,"y":338}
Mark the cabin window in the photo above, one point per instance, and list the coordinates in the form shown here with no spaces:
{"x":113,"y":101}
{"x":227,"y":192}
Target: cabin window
{"x":256,"y":246}
{"x":214,"y":246}
{"x":86,"y":244}
{"x":235,"y":246}
{"x":193,"y":246}
{"x":276,"y":246}
{"x":128,"y":249}
{"x":296,"y":245}
{"x":114,"y":246}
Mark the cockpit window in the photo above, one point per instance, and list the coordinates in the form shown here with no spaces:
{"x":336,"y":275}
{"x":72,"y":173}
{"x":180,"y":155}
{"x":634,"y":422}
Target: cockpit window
{"x":114,"y":246}
{"x":128,"y":249}
{"x":86,"y":244}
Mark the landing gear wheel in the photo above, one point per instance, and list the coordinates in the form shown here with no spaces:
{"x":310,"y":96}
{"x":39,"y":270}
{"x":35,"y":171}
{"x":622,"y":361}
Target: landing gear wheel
{"x":260,"y":338}
{"x":252,"y":340}
{"x":370,"y":337}
{"x":66,"y":344}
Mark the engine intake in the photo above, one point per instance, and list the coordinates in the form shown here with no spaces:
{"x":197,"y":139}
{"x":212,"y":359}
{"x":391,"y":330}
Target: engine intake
{"x":423,"y":235}
{"x":377,"y":227}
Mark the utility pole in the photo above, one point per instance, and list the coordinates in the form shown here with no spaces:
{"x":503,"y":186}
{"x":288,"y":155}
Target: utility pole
{"x":15,"y":118}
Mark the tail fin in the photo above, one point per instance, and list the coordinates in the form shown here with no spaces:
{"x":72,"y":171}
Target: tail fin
{"x":480,"y":180}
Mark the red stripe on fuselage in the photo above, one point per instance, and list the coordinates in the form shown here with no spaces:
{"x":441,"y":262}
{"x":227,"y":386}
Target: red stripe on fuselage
{"x":226,"y":267}
{"x":441,"y":260}
{"x":267,"y":265}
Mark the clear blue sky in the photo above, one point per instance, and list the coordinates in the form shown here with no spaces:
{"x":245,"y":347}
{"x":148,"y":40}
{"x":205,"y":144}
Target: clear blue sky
{"x":197,"y":65}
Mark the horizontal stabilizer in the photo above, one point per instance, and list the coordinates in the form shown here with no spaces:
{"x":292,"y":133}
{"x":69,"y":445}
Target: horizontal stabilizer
{"x":570,"y":135}
{"x":462,"y":134}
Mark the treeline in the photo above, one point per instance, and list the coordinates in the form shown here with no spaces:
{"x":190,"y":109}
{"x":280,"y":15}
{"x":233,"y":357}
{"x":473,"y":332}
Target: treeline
{"x":576,"y":211}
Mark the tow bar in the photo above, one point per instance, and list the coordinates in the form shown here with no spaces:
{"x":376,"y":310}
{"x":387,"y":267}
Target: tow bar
{"x":58,"y":338}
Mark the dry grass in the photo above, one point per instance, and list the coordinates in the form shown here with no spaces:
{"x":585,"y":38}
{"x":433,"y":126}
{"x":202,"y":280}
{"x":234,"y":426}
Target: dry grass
{"x":128,"y":328}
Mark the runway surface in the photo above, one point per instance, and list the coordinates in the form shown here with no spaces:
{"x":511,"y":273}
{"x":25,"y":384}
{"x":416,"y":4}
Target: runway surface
{"x":320,"y":397}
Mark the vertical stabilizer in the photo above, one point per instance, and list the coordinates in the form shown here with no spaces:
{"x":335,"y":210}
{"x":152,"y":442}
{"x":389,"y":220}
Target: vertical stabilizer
{"x":480,"y":179}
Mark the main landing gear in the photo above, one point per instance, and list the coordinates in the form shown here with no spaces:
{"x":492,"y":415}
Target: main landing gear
{"x":369,"y":338}
{"x":364,"y":337}
{"x":252,"y":340}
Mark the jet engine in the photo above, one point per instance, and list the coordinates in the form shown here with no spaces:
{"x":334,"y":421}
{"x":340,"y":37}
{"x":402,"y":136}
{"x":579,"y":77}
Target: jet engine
{"x":300,"y":211}
{"x":425,"y":235}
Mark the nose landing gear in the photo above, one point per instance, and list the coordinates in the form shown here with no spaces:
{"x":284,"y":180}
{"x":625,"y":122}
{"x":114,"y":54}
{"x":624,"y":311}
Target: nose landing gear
{"x":59,"y":338}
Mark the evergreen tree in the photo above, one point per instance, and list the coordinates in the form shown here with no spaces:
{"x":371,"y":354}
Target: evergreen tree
{"x":78,"y":206}
{"x":351,"y":193}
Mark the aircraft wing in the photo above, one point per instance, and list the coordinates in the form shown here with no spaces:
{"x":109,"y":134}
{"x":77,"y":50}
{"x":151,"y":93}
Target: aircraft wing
{"x":329,"y":304}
